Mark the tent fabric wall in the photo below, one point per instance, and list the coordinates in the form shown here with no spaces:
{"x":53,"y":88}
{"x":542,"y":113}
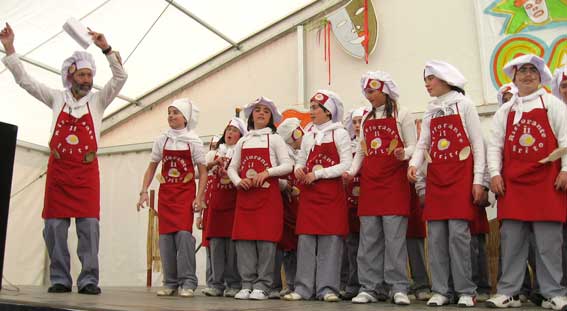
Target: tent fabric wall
{"x":426,"y":31}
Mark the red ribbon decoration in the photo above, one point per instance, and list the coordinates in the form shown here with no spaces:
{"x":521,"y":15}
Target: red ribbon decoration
{"x":328,"y":40}
{"x":366,"y":40}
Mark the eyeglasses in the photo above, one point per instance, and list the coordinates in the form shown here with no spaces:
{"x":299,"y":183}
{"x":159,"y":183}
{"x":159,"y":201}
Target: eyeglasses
{"x":528,"y":69}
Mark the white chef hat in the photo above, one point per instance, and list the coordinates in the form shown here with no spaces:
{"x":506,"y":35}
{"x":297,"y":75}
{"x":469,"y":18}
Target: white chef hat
{"x":379,"y":80}
{"x":512,"y":66}
{"x":189,"y":111}
{"x":506,"y":88}
{"x":331,"y":102}
{"x":445,"y":72}
{"x":290,"y":130}
{"x":79,"y":60}
{"x":559,"y":76}
{"x":266,"y":102}
{"x":353,"y":113}
{"x":239,"y":124}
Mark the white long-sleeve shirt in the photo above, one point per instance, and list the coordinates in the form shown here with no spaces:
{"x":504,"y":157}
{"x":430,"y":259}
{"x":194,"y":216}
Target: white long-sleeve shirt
{"x":342,"y":142}
{"x":56,"y":99}
{"x":292,"y":155}
{"x":556,"y":113}
{"x":279,"y":157}
{"x":405,"y":123}
{"x":471,"y":124}
{"x":197,"y":150}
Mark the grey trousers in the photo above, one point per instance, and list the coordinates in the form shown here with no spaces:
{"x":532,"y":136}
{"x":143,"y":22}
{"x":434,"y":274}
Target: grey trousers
{"x":177,"y":251}
{"x":514,"y":251}
{"x":449,"y":245}
{"x":55,"y":235}
{"x":416,"y":257}
{"x":223,"y":264}
{"x":382,"y":254}
{"x":351,"y":252}
{"x":255,"y":261}
{"x":479,"y":264}
{"x":529,"y":285}
{"x":208,"y":268}
{"x":318,"y":265}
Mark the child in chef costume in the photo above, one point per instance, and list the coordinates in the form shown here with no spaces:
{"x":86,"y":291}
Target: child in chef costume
{"x":530,"y":182}
{"x":451,"y":141}
{"x":226,"y":280}
{"x":179,"y":150}
{"x":259,"y":159}
{"x":322,"y":217}
{"x":387,"y":142}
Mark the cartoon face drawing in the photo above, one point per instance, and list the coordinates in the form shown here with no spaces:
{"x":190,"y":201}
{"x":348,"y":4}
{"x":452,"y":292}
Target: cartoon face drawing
{"x":537,"y":10}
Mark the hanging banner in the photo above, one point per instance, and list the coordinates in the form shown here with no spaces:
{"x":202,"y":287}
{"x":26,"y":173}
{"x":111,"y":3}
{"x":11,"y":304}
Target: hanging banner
{"x":509,"y":28}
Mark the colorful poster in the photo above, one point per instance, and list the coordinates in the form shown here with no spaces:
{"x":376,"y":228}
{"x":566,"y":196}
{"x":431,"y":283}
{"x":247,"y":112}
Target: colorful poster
{"x":508,"y":28}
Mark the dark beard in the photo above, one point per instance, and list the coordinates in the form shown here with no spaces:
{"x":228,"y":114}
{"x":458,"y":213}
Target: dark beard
{"x":81,"y":89}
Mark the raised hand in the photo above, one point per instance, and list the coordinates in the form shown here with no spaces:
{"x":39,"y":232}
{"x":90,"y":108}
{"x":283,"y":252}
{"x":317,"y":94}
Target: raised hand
{"x":99,"y":39}
{"x":7,"y":39}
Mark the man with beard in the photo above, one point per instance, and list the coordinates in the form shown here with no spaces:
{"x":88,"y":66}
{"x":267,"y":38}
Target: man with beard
{"x":72,"y":187}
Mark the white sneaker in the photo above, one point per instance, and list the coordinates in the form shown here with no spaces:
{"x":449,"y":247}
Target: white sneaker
{"x":258,"y":294}
{"x":364,"y":297}
{"x":243,"y":294}
{"x":437,"y":300}
{"x":423,"y":296}
{"x":186,"y":292}
{"x":292,"y":297}
{"x":401,"y":299}
{"x":211,"y":292}
{"x":284,"y":292}
{"x":558,"y":303}
{"x":546,"y":304}
{"x":466,"y":301}
{"x":503,"y":301}
{"x":167,"y":291}
{"x":331,"y":297}
{"x":231,"y":292}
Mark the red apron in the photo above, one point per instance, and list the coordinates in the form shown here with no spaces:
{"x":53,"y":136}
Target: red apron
{"x":384,"y":186}
{"x":449,"y":180}
{"x":416,"y":225}
{"x":221,"y":206}
{"x":72,"y":187}
{"x":322,"y":205}
{"x":353,"y":192}
{"x":291,"y":204}
{"x":530,"y":193}
{"x":479,"y":225}
{"x":259,"y":211}
{"x":205,"y":214}
{"x":177,"y":192}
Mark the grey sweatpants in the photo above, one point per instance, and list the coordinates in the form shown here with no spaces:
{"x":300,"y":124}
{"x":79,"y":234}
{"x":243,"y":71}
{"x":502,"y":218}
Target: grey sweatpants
{"x":55,"y":235}
{"x":177,"y":251}
{"x":382,"y":254}
{"x":223,"y":264}
{"x":449,"y":246}
{"x":514,"y":246}
{"x":255,"y":261}
{"x":318,"y":265}
{"x":479,"y":264}
{"x":416,"y":257}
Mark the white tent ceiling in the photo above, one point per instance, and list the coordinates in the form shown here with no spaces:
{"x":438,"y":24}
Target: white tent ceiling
{"x":175,"y":43}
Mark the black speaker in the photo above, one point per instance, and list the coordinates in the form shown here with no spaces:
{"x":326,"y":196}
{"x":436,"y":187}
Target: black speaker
{"x":8,"y":134}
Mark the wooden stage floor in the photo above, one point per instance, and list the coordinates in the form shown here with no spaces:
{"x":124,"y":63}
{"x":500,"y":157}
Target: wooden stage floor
{"x":142,"y":299}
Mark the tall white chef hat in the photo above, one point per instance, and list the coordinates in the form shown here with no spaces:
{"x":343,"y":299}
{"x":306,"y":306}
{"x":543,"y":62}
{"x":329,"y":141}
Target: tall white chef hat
{"x":331,"y":102}
{"x":79,"y":60}
{"x":445,"y":72}
{"x":266,"y":102}
{"x":512,"y":66}
{"x":379,"y":80}
{"x":189,"y":111}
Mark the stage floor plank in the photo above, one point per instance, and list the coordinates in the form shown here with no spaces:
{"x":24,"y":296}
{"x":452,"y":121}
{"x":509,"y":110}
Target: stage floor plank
{"x":142,"y":299}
